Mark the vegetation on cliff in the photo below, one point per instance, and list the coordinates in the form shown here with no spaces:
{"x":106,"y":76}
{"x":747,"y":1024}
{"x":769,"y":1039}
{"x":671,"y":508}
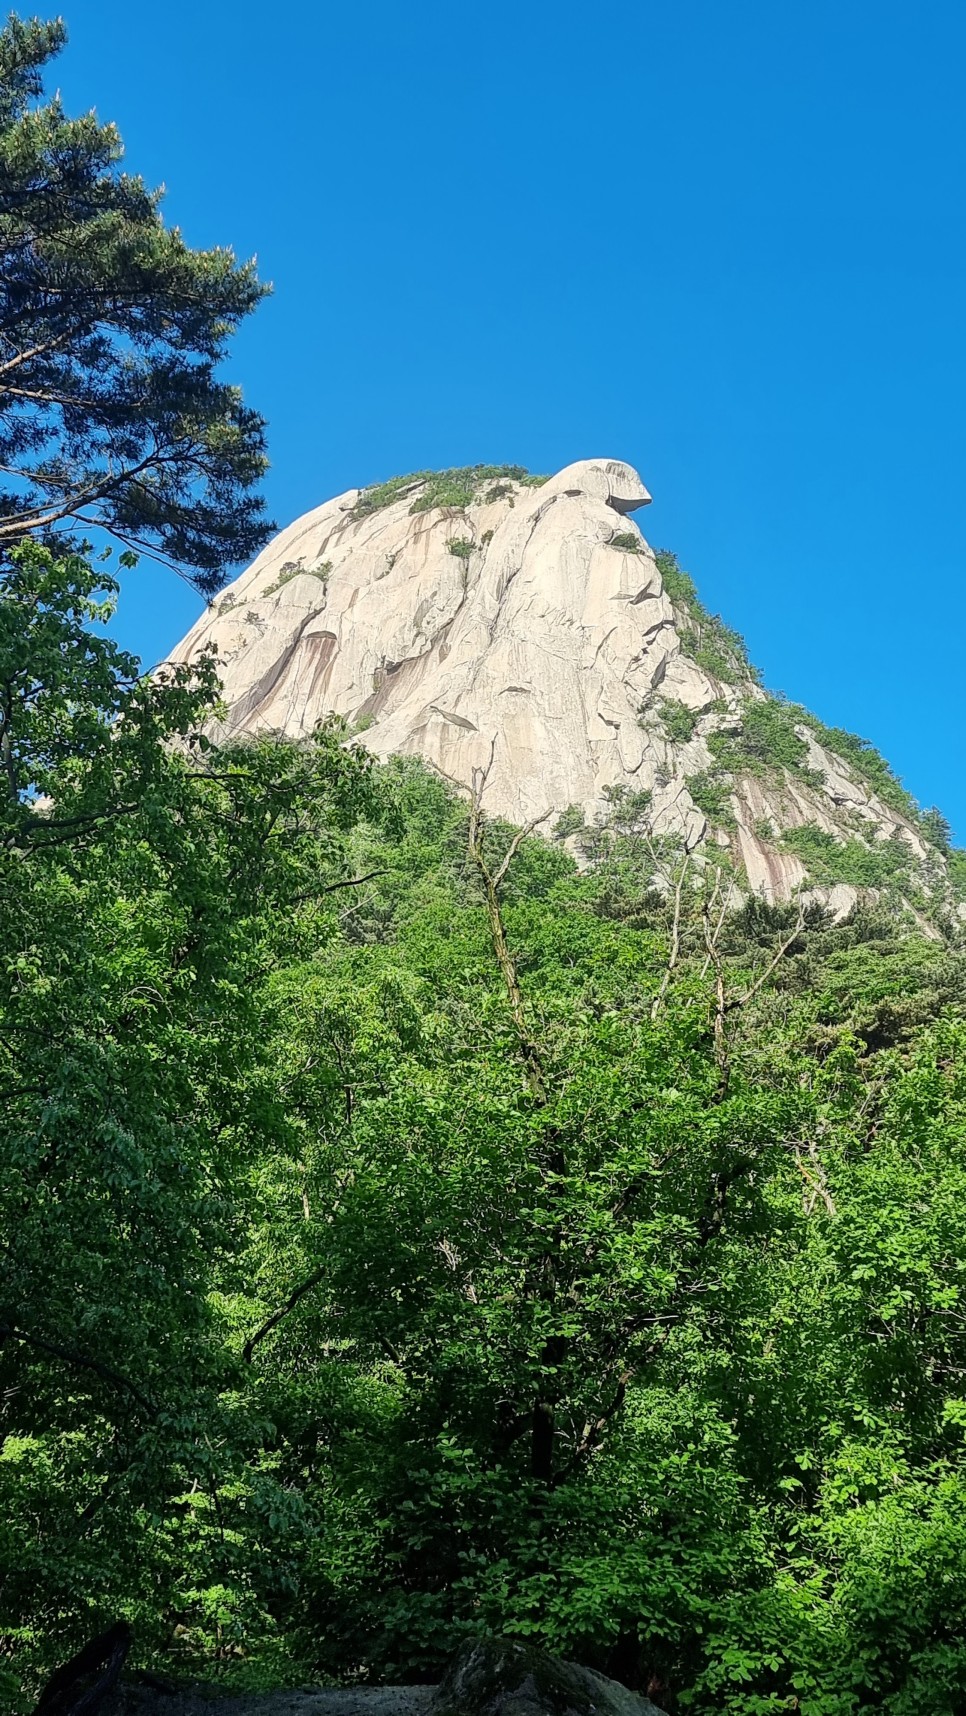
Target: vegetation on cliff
{"x":760,"y":734}
{"x":705,"y":637}
{"x":458,"y":487}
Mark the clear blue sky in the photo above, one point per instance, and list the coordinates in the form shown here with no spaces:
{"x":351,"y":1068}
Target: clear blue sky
{"x":724,"y":242}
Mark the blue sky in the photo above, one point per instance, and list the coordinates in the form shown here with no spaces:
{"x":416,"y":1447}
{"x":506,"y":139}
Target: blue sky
{"x":724,"y":242}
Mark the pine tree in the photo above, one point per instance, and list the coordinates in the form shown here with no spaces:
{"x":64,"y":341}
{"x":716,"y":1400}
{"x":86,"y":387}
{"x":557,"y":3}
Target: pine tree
{"x":112,"y":411}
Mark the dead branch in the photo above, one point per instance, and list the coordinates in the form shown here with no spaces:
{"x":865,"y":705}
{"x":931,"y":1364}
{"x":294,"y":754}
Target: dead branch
{"x":722,"y":901}
{"x":333,"y":887}
{"x":720,"y":1034}
{"x":454,"y":1262}
{"x":501,"y":947}
{"x":675,"y":948}
{"x":515,"y":844}
{"x":741,"y":1000}
{"x":815,"y":1180}
{"x":593,"y":1426}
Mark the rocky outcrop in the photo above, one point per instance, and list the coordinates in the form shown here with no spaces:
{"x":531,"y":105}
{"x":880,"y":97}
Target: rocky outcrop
{"x":534,"y":623}
{"x":488,"y":1677}
{"x":503,"y":1677}
{"x":145,"y":1697}
{"x":528,"y":629}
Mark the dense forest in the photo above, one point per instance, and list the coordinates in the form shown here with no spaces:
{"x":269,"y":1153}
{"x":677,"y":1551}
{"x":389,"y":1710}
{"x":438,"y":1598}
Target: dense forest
{"x":411,"y":1226}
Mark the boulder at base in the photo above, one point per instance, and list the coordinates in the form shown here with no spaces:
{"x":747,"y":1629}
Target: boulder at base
{"x":502,"y":1677}
{"x":142,"y":1698}
{"x":489,"y":1677}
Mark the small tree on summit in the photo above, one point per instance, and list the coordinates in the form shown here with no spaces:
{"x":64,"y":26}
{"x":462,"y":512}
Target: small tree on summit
{"x":112,"y":413}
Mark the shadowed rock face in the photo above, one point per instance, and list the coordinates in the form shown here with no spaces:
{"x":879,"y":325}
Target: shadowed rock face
{"x":531,"y":625}
{"x":143,"y":1699}
{"x":488,"y":1677}
{"x":504,"y":1677}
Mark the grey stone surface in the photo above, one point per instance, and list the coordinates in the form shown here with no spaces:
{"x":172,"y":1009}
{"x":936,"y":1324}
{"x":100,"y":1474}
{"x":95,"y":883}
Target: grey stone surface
{"x":488,"y":1677}
{"x":504,"y":1677}
{"x":144,"y":1700}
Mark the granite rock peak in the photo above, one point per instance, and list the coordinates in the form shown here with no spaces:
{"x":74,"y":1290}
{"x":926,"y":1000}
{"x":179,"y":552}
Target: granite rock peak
{"x":485,"y":614}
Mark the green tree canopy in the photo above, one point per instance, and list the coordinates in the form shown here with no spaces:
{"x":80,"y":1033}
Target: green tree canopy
{"x":112,"y":330}
{"x":404,"y":1233}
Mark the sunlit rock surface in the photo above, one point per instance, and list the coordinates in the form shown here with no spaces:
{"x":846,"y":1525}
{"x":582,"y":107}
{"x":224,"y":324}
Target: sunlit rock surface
{"x":529,"y":630}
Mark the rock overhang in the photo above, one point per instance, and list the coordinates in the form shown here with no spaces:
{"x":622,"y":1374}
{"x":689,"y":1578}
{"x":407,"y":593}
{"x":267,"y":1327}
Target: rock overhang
{"x":612,"y":481}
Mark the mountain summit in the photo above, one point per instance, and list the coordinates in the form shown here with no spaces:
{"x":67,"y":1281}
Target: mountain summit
{"x":487,"y":617}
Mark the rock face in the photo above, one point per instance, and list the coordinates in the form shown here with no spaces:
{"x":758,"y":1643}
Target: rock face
{"x":142,"y":1699}
{"x":528,"y":628}
{"x":502,"y":1677}
{"x":489,"y":1677}
{"x":537,"y":633}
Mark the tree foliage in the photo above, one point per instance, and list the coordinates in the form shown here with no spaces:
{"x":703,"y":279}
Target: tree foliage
{"x":408,"y":1233}
{"x":112,"y":330}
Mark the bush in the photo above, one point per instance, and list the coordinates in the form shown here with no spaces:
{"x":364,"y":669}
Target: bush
{"x":863,"y":758}
{"x":705,"y":638}
{"x":570,"y":821}
{"x":766,"y":740}
{"x":458,"y":487}
{"x":678,"y":720}
{"x":461,"y":546}
{"x":678,"y":584}
{"x":627,"y":541}
{"x":768,"y":735}
{"x":712,"y":796}
{"x":627,"y":811}
{"x":934,"y":828}
{"x":829,"y":860}
{"x":295,"y":569}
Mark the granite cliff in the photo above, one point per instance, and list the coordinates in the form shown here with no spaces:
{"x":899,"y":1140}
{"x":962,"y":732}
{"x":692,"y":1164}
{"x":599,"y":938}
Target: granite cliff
{"x":486,"y":616}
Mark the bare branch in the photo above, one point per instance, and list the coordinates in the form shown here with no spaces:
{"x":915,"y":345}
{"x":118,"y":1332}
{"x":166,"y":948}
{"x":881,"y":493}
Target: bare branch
{"x":277,"y":1317}
{"x":723,"y":901}
{"x":720,"y":1035}
{"x":815,"y":1180}
{"x":593,"y":1426}
{"x":448,"y":1251}
{"x":331,"y":887}
{"x":740,"y":1000}
{"x":501,"y":948}
{"x":481,"y":776}
{"x":675,"y":948}
{"x":80,"y":1360}
{"x":515,"y":844}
